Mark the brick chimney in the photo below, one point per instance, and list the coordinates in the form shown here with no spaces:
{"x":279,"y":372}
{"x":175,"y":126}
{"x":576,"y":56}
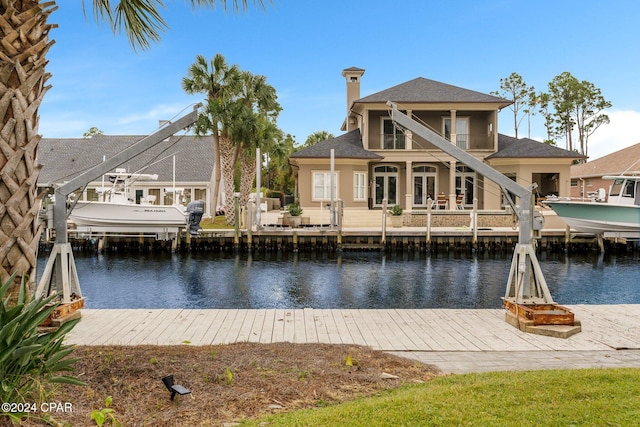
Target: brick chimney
{"x":352,"y":75}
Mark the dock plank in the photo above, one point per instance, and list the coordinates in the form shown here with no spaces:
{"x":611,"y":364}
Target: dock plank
{"x":268,"y":327}
{"x":411,"y":329}
{"x":432,"y":330}
{"x":228,"y":328}
{"x":215,"y":323}
{"x":299,"y":329}
{"x":156,"y":333}
{"x":366,"y":326}
{"x":257,"y":325}
{"x":311,"y":326}
{"x":279,"y":326}
{"x":179,"y":332}
{"x":348,"y":329}
{"x":136,"y":331}
{"x":247,"y":325}
{"x":331,"y":327}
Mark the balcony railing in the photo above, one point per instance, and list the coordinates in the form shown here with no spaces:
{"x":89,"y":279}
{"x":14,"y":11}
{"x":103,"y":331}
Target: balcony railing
{"x":463,"y":141}
{"x":393,"y":141}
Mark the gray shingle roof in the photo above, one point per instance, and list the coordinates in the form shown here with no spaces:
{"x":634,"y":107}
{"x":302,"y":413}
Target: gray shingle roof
{"x":421,"y":90}
{"x":65,"y":158}
{"x":510,"y":147}
{"x":348,"y":145}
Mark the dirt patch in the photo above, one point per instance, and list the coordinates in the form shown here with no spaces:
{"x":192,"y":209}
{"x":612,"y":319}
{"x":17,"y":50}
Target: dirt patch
{"x":228,"y":383}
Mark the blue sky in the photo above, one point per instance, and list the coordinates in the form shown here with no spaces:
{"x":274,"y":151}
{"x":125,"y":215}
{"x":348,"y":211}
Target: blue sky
{"x":302,"y":47}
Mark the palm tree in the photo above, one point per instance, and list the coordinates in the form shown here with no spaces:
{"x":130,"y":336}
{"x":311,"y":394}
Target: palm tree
{"x":257,"y":127}
{"x":266,"y":137}
{"x":23,"y":84}
{"x":318,"y":136}
{"x":220,"y":83}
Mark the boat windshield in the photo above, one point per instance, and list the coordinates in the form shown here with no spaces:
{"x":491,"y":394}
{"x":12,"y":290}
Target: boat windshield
{"x":628,"y":189}
{"x":616,"y":187}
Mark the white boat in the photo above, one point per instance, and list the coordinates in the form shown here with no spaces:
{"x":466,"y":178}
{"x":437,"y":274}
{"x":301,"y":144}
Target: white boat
{"x":617,"y":216}
{"x":117,"y":210}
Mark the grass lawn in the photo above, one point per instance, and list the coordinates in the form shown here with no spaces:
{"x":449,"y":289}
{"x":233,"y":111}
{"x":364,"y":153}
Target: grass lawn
{"x":217,"y":222}
{"x":590,"y":397}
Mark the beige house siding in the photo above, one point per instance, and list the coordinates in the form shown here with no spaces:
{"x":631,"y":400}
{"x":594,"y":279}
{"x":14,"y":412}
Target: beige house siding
{"x":344,"y":170}
{"x":552,"y":176}
{"x":430,"y":103}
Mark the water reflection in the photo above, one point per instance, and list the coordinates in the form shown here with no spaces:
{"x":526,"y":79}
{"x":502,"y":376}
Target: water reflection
{"x":353,"y":280}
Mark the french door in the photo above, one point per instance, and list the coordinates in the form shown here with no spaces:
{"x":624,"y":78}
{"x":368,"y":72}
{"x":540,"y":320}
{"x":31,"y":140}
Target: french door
{"x":424,"y":185}
{"x":386,"y":185}
{"x":465,"y":184}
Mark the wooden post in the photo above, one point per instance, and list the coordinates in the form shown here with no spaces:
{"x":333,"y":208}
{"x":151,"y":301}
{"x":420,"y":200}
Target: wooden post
{"x":429,"y":208}
{"x":474,"y":222}
{"x":384,"y":222}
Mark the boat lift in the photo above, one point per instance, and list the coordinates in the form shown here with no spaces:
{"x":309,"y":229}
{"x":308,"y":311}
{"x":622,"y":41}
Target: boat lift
{"x":527,"y":299}
{"x":60,"y":276}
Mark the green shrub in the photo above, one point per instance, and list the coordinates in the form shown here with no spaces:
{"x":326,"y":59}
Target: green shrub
{"x":28,"y":358}
{"x":294,"y":209}
{"x":396,"y":210}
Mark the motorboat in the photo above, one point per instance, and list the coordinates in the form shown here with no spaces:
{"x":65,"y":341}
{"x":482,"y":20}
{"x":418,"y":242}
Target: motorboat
{"x":614,"y":215}
{"x":116,"y":210}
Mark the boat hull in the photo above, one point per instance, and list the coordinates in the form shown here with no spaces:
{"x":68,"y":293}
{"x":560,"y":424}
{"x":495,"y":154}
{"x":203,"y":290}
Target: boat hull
{"x":599,"y":218}
{"x":115,"y":215}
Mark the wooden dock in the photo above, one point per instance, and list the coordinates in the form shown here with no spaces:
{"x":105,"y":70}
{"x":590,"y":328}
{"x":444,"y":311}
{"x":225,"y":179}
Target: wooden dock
{"x":604,"y":328}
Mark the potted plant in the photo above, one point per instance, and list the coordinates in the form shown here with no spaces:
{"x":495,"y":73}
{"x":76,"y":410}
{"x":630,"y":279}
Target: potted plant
{"x":294,"y":210}
{"x":396,"y":216}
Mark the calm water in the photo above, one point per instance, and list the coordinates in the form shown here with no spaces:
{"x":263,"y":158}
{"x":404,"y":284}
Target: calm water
{"x":370,"y":280}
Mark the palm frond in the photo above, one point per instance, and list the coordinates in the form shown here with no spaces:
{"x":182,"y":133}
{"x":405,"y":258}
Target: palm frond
{"x":141,"y":20}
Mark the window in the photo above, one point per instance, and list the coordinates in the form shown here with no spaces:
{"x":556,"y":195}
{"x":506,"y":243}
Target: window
{"x":359,"y":186}
{"x":92,"y":195}
{"x":462,"y":131}
{"x":513,"y":177}
{"x":392,"y":137}
{"x":574,"y":182}
{"x":322,"y":186}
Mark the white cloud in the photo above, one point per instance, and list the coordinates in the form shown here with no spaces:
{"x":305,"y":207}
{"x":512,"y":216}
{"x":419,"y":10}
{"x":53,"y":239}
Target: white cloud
{"x":623,"y":131}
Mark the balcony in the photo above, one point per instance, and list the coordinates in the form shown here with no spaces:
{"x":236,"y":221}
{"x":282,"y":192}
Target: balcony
{"x":463,"y":141}
{"x":393,"y":141}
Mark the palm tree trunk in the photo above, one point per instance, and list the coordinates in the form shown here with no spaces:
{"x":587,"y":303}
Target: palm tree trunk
{"x":248,"y":167}
{"x":25,"y":42}
{"x":216,"y":175}
{"x":228,"y":167}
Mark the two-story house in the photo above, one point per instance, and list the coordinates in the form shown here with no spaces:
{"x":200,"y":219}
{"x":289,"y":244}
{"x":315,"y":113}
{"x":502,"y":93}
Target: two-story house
{"x":376,"y":160}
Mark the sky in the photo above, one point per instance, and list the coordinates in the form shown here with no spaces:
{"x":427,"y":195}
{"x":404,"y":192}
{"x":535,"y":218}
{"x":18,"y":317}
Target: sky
{"x":302,"y":46}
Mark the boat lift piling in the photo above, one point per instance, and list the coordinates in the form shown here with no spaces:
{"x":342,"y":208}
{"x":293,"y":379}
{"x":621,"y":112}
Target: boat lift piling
{"x":527,"y":299}
{"x":60,"y":275}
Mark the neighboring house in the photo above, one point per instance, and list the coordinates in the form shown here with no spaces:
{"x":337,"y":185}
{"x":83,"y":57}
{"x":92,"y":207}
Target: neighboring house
{"x":65,"y":158}
{"x":586,"y":178}
{"x":375,"y":160}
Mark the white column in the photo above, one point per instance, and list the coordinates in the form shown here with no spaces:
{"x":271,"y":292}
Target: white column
{"x":408,"y":138}
{"x":454,"y":129}
{"x":408,"y":196}
{"x":452,"y":184}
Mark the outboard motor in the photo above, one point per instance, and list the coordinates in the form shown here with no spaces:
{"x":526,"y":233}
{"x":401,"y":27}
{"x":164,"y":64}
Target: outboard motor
{"x":195,"y":210}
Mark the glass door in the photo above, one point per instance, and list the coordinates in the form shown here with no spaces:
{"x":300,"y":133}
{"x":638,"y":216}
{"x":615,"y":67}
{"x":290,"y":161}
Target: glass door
{"x":465,"y":184}
{"x":386,"y":182}
{"x":462,"y":131}
{"x":424,"y":185}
